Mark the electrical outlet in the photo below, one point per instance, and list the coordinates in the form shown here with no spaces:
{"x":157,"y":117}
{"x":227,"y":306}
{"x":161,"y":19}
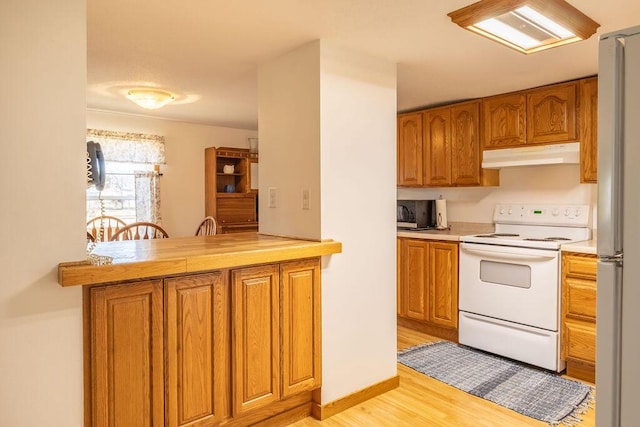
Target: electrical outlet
{"x":306,"y":199}
{"x":273,"y":193}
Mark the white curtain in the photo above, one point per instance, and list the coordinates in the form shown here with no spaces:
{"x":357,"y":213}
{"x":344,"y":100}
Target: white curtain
{"x":148,"y":197}
{"x":129,"y":147}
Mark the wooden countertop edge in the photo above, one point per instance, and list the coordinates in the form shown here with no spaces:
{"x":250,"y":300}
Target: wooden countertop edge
{"x":260,"y":256}
{"x":80,"y":273}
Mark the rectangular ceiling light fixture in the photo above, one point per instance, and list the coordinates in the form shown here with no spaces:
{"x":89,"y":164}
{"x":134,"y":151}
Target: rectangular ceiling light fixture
{"x":527,"y":26}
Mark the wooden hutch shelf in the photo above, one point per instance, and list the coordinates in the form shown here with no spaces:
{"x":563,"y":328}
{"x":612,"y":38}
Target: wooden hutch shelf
{"x":229,"y":196}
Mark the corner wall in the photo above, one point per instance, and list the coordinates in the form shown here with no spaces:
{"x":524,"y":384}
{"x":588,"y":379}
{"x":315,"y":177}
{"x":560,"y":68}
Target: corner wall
{"x":289,"y":133}
{"x":327,"y":122}
{"x":358,"y":175}
{"x":42,"y":187}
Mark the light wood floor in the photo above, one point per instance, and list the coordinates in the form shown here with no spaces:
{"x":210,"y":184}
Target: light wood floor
{"x":423,"y":401}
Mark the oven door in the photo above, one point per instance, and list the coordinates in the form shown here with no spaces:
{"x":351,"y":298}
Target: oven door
{"x":514,"y":284}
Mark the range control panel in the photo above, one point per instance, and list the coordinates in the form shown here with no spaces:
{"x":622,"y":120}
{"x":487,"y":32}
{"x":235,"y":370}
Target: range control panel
{"x":565,"y":215}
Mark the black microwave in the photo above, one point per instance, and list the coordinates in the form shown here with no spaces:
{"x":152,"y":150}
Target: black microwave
{"x":416,"y":214}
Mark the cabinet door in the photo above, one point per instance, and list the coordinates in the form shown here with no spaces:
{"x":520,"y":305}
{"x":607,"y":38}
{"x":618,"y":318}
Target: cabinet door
{"x":465,"y":137}
{"x":410,"y":150}
{"x":127,"y":374}
{"x":504,"y":120}
{"x":301,"y":324}
{"x":437,"y":146}
{"x":443,"y":284}
{"x":413,"y":279}
{"x":551,"y":114}
{"x":588,"y":119}
{"x":255,"y":337}
{"x":197,"y":356}
{"x":234,"y":208}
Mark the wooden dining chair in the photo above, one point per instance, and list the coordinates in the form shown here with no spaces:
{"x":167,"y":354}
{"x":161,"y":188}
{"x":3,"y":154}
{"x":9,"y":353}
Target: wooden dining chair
{"x":108,"y":224}
{"x":90,"y":238}
{"x":208,"y":227}
{"x":140,"y":231}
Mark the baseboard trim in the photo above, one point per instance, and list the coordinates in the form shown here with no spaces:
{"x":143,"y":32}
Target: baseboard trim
{"x":322,"y":412}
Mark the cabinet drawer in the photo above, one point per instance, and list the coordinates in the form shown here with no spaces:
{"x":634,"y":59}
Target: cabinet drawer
{"x":243,"y":227}
{"x":580,"y":266}
{"x":581,"y":298}
{"x":580,"y":341}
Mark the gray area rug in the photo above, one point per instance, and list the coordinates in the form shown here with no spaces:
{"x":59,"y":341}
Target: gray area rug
{"x":535,"y":393}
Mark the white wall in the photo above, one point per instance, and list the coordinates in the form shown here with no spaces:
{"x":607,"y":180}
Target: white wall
{"x":289,"y":127}
{"x":182,"y":183}
{"x":42,"y":187}
{"x":358,"y":173}
{"x":327,"y":123}
{"x":530,"y":184}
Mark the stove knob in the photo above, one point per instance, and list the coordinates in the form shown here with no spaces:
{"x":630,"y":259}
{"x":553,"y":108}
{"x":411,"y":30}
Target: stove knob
{"x":555,"y":212}
{"x":501,"y":211}
{"x":578,"y":212}
{"x":510,"y":211}
{"x":567,"y":212}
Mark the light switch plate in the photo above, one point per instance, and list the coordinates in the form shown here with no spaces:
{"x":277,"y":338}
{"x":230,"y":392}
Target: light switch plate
{"x":306,"y":199}
{"x":273,"y":197}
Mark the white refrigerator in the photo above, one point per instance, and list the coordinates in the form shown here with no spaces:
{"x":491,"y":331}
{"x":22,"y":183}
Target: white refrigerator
{"x":618,"y":295}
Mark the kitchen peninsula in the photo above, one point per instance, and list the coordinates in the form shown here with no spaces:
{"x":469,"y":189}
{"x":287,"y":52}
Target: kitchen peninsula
{"x":216,"y":329}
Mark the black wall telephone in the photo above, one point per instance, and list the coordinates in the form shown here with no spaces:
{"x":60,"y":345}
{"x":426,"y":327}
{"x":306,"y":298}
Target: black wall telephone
{"x":95,"y":165}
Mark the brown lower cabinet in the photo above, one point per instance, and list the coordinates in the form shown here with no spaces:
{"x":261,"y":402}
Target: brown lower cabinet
{"x":579,"y":314}
{"x":126,"y":355}
{"x":428,"y":286}
{"x":229,"y":347}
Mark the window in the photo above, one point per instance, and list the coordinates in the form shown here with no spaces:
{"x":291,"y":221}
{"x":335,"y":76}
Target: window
{"x":131,"y":190}
{"x":119,"y":194}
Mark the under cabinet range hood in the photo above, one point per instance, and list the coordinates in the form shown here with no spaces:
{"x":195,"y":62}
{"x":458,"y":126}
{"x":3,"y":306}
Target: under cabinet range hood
{"x":534,"y":155}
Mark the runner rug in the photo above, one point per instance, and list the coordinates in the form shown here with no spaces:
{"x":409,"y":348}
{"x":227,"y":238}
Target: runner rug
{"x":535,"y":393}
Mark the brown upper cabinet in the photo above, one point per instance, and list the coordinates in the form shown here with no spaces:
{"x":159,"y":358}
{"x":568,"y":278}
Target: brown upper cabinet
{"x":504,"y":120}
{"x":436,"y":141}
{"x":440,"y":147}
{"x":545,"y":115}
{"x":551,"y":114}
{"x":588,"y":119}
{"x":410,"y":149}
{"x":465,"y":146}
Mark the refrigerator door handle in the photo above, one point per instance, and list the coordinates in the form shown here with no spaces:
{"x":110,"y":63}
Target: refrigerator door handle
{"x":610,"y":149}
{"x":618,"y":258}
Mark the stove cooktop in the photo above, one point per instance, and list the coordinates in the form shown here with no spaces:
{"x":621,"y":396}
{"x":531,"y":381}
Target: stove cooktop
{"x":514,"y":239}
{"x":536,"y":226}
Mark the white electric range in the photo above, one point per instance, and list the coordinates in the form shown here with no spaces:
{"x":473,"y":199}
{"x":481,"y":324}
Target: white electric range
{"x":509,"y":281}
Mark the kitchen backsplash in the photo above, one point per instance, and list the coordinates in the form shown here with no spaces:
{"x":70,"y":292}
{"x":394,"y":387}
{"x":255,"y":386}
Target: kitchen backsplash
{"x":530,"y":184}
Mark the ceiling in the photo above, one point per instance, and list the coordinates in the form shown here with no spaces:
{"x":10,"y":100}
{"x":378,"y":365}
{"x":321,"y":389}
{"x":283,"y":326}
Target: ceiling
{"x":207,"y":52}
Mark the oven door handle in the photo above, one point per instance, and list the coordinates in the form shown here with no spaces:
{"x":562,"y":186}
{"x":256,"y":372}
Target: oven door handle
{"x":488,"y":253}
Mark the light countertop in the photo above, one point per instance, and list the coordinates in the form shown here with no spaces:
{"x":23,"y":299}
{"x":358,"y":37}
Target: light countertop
{"x":456,"y":229}
{"x":586,"y":247}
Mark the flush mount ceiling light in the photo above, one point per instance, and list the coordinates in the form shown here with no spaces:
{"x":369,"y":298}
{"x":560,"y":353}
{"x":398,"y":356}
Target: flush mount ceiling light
{"x":527,"y":26}
{"x":150,"y":98}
